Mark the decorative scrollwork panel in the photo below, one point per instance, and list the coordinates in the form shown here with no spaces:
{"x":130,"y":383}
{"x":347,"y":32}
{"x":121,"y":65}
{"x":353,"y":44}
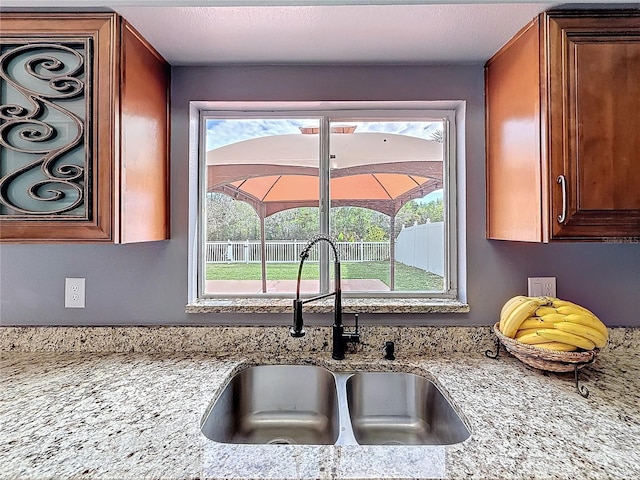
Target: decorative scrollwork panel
{"x":45,"y":112}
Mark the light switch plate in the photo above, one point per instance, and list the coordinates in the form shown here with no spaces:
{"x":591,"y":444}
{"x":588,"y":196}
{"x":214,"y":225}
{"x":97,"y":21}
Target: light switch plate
{"x":542,"y":286}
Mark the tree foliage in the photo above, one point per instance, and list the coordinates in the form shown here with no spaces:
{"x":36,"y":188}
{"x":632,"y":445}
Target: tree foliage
{"x":353,"y":224}
{"x":437,"y":136}
{"x":295,"y":224}
{"x":229,"y":219}
{"x":417,"y":212}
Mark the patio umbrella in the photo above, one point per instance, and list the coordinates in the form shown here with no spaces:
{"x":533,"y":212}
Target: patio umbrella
{"x":379,"y":171}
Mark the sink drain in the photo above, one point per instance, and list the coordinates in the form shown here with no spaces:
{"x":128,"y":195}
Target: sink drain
{"x":281,"y":441}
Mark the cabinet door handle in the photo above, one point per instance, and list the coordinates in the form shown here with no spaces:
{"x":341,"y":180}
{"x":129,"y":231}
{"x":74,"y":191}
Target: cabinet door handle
{"x":563,"y":182}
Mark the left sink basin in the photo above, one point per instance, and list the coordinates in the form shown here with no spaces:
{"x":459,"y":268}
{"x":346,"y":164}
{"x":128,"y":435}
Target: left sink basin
{"x":276,"y":404}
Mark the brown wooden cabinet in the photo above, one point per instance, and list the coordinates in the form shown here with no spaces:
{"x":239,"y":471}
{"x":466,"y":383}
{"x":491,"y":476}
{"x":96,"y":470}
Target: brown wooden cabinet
{"x":83,"y":130}
{"x":563,"y":129}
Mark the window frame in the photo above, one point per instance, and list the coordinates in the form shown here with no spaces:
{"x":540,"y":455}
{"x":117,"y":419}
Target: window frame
{"x":451,"y":113}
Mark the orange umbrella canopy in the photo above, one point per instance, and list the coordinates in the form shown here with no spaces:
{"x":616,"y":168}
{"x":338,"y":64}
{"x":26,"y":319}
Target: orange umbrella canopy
{"x":380,"y":171}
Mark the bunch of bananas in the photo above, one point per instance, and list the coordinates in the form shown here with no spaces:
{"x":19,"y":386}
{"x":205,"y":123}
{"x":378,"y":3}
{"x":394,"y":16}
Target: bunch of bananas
{"x":551,"y":323}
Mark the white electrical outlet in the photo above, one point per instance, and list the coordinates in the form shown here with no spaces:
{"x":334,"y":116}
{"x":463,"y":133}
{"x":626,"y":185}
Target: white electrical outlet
{"x":542,"y":286}
{"x":74,"y":292}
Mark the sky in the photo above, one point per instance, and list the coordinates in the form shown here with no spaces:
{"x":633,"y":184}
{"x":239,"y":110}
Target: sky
{"x":431,"y":197}
{"x":225,"y":132}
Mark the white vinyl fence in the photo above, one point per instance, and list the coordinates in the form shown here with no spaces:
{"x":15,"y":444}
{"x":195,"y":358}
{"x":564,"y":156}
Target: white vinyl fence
{"x":422,"y":246}
{"x":286,"y":251}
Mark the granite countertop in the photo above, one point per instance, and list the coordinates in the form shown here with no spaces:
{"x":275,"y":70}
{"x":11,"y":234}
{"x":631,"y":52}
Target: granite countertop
{"x":137,"y":415}
{"x":349,"y":305}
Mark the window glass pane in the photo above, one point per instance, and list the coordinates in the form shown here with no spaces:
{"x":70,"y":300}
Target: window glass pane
{"x":387,"y":211}
{"x":386,"y":190}
{"x":43,"y":149}
{"x":261,"y":204}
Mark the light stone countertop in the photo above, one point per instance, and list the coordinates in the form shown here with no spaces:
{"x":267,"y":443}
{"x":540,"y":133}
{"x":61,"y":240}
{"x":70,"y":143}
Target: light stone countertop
{"x":349,"y":305}
{"x":136,"y":414}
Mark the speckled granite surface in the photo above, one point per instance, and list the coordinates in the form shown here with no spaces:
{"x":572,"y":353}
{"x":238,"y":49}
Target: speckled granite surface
{"x":137,"y":415}
{"x":115,"y":416}
{"x":349,"y":305}
{"x":224,"y":340}
{"x":260,"y":340}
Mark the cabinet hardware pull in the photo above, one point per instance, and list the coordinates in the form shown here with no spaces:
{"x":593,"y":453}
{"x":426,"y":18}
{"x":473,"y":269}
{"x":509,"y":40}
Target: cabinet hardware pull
{"x":563,"y":182}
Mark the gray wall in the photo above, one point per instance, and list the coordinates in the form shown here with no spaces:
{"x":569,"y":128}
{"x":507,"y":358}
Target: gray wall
{"x":147,"y":283}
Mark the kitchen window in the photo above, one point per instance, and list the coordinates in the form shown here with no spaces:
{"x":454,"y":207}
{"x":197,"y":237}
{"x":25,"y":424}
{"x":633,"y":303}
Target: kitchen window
{"x":380,"y":181}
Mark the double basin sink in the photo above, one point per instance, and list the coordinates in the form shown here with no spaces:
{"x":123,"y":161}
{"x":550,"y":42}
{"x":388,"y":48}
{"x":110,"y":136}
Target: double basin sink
{"x":310,"y":405}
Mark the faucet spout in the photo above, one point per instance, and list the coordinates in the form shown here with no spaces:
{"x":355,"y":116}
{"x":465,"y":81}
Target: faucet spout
{"x":340,"y":338}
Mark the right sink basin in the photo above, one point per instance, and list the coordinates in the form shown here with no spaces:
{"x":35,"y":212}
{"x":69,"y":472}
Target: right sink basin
{"x":395,"y":408}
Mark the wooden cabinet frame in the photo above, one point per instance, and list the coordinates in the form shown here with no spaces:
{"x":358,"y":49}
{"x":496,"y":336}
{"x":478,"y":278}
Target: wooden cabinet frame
{"x":128,"y":133}
{"x":562,"y":116}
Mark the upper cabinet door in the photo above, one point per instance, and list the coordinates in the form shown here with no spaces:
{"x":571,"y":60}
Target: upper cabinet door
{"x":83,"y":130}
{"x":515,"y":167}
{"x":563,"y":123}
{"x":595,"y":126}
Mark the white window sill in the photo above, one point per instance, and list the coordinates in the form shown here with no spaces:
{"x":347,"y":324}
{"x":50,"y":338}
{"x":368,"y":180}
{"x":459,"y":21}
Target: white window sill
{"x":349,"y":305}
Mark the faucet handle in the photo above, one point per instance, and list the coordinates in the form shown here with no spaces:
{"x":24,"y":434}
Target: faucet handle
{"x":352,"y":337}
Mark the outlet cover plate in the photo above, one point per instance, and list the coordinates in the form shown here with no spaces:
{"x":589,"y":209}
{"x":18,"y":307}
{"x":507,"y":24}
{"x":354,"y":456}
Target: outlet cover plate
{"x":74,"y":292}
{"x":542,"y":286}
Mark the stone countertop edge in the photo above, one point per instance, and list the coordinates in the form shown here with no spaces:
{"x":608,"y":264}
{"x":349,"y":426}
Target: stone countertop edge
{"x":397,"y":305}
{"x":108,"y":416}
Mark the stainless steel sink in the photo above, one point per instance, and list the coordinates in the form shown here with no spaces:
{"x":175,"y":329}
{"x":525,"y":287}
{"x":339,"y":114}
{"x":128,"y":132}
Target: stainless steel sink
{"x":390,"y":408}
{"x":276,"y":404}
{"x":303,"y":404}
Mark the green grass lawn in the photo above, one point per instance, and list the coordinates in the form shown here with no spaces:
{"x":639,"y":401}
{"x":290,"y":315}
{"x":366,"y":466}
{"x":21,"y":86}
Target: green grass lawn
{"x":407,"y":278}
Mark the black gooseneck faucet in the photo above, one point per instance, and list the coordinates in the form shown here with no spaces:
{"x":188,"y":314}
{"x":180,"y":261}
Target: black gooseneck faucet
{"x":340,"y":337}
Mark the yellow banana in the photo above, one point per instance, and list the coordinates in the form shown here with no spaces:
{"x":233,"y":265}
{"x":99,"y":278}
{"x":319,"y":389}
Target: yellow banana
{"x":535,"y":323}
{"x":582,"y":330}
{"x":544,"y":301}
{"x":572,"y":309}
{"x":523,"y":311}
{"x":526,"y":331}
{"x":508,"y":307}
{"x":568,"y":307}
{"x":531,"y":338}
{"x":544,"y":310}
{"x":557,"y":302}
{"x":555,"y":335}
{"x":510,"y":302}
{"x":559,"y":346}
{"x":588,"y":321}
{"x":552,"y":317}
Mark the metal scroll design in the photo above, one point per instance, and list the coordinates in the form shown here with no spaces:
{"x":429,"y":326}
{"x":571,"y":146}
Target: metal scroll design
{"x":44,"y":77}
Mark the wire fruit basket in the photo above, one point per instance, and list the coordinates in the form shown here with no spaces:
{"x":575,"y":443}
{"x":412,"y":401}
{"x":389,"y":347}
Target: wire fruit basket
{"x":543,"y":358}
